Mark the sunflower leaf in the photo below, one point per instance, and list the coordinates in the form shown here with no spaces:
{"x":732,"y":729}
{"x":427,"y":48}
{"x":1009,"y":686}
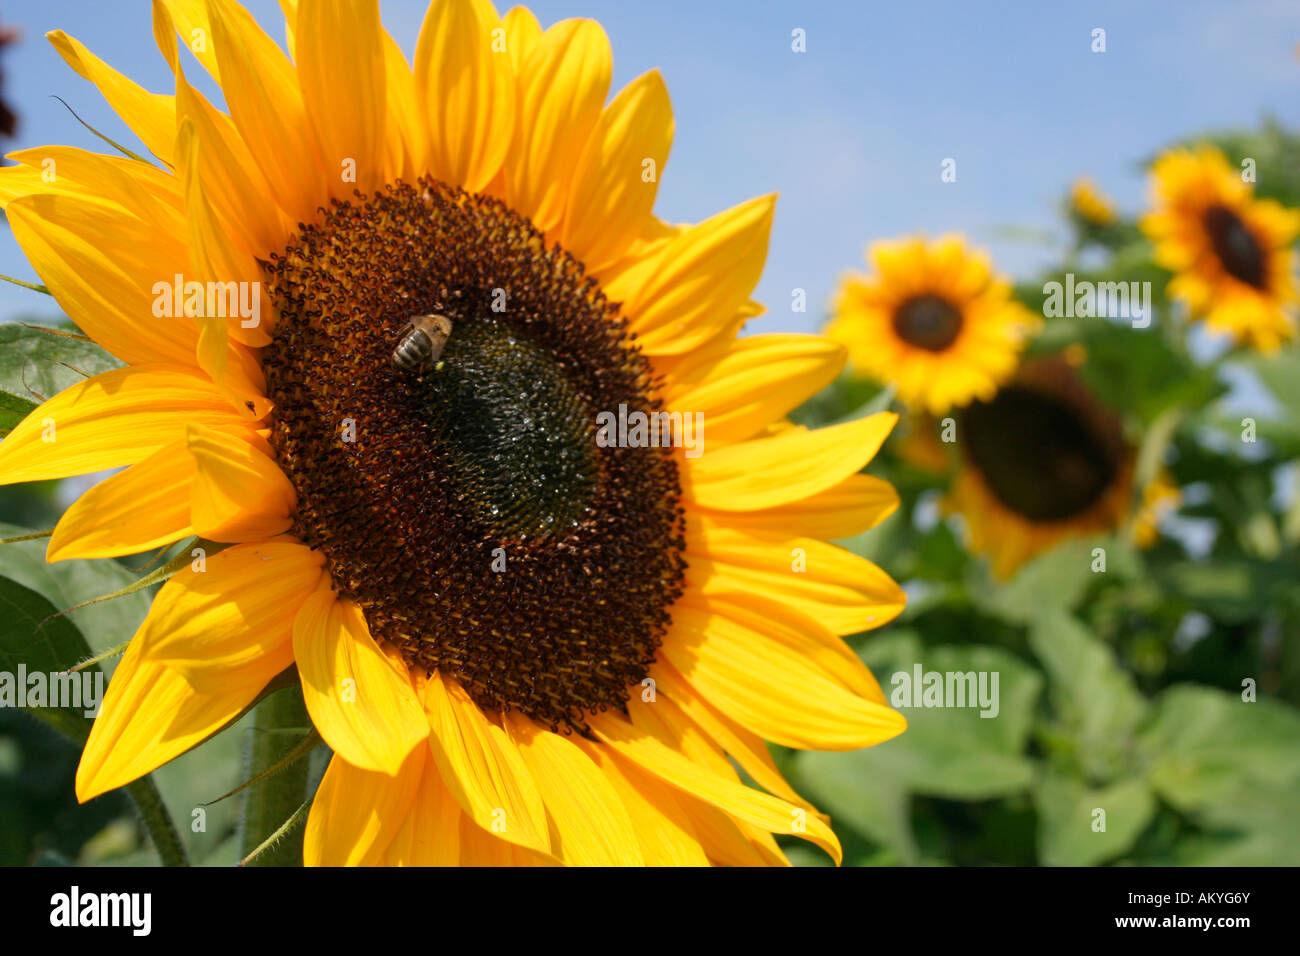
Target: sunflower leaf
{"x":1097,"y":702}
{"x":35,"y":362}
{"x":949,"y":751}
{"x":1081,"y":826}
{"x":66,"y":583}
{"x":1205,"y":749}
{"x":13,"y":409}
{"x":44,"y":651}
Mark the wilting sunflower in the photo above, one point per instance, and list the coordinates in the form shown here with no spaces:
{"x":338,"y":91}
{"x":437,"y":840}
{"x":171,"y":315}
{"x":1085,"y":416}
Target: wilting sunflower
{"x":1230,"y":251}
{"x":521,"y":643}
{"x":1043,"y":460}
{"x":1090,"y":204}
{"x":933,"y":320}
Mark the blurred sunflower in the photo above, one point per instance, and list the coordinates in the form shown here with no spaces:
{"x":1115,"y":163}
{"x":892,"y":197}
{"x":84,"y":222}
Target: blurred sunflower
{"x":521,"y":645}
{"x":1160,"y":497}
{"x":1089,"y":203}
{"x":1042,"y":461}
{"x":933,"y":320}
{"x":1230,"y":251}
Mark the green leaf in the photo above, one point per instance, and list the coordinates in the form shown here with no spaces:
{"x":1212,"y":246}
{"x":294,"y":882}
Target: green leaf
{"x":1206,"y":747}
{"x":13,"y":409}
{"x":1068,"y":819}
{"x":43,"y":650}
{"x":949,"y":752}
{"x":30,"y":367}
{"x":1051,"y":582}
{"x":66,"y":583}
{"x":1233,"y":590}
{"x":1097,"y":703}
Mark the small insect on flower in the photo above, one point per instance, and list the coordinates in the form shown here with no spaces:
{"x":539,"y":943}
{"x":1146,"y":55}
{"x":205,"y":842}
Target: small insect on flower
{"x":423,"y":340}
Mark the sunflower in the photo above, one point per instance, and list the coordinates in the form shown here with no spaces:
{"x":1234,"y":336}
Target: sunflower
{"x":522,"y":644}
{"x":1042,"y":461}
{"x":1090,"y":204}
{"x":933,"y":320}
{"x":1160,"y":497}
{"x":1230,"y":252}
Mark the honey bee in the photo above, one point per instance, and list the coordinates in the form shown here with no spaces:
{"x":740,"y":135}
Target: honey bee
{"x":423,"y":339}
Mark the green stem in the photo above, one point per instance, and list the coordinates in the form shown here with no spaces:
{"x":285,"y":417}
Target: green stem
{"x":153,"y":812}
{"x":279,"y":722}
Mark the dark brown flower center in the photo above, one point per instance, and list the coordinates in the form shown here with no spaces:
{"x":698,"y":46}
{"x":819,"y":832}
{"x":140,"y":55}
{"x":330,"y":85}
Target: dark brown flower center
{"x":928,"y":322}
{"x":1236,"y":246}
{"x":1038,"y":455}
{"x":469,"y":510}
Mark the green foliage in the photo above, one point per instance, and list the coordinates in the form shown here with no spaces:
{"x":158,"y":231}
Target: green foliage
{"x":1150,"y":704}
{"x":38,"y":363}
{"x":30,"y":640}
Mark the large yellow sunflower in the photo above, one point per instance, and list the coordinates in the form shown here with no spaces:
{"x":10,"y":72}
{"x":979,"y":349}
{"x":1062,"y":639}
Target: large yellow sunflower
{"x":1042,"y":461}
{"x":1231,"y":252}
{"x":523,"y":644}
{"x":933,"y":320}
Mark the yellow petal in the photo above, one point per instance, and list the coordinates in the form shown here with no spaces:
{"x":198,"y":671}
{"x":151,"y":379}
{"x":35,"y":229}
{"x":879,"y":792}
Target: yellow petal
{"x":804,"y":636}
{"x":239,"y":493}
{"x":406,"y":128}
{"x":360,"y":700}
{"x":358,"y":812}
{"x":430,"y":833}
{"x":726,"y":840}
{"x":561,"y":91}
{"x":523,"y":33}
{"x":140,"y":189}
{"x":745,"y":747}
{"x":478,"y":847}
{"x":151,"y":714}
{"x":151,"y":116}
{"x":765,"y":686}
{"x":235,"y":609}
{"x":114,"y":419}
{"x":231,"y":182}
{"x":654,"y":755}
{"x":757,"y":381}
{"x":589,"y":825}
{"x":261,"y":90}
{"x":796,"y":464}
{"x":465,"y":90}
{"x":109,"y":290}
{"x":483,"y":769}
{"x":685,"y":295}
{"x":658,"y":818}
{"x":290,"y":10}
{"x":144,"y":507}
{"x":229,"y":279}
{"x":857,"y":504}
{"x":613,"y":189}
{"x":348,"y":108}
{"x":195,"y":28}
{"x":845,"y":592}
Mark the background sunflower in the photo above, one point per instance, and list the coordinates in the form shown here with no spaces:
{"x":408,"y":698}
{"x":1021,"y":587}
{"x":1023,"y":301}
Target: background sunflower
{"x":1230,"y":252}
{"x":933,"y":320}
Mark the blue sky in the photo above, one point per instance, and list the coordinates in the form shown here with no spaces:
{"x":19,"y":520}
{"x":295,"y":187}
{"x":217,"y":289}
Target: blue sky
{"x":852,"y":132}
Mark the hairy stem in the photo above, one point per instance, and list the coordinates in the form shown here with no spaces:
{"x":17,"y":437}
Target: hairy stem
{"x":153,"y":812}
{"x":278,"y":725}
